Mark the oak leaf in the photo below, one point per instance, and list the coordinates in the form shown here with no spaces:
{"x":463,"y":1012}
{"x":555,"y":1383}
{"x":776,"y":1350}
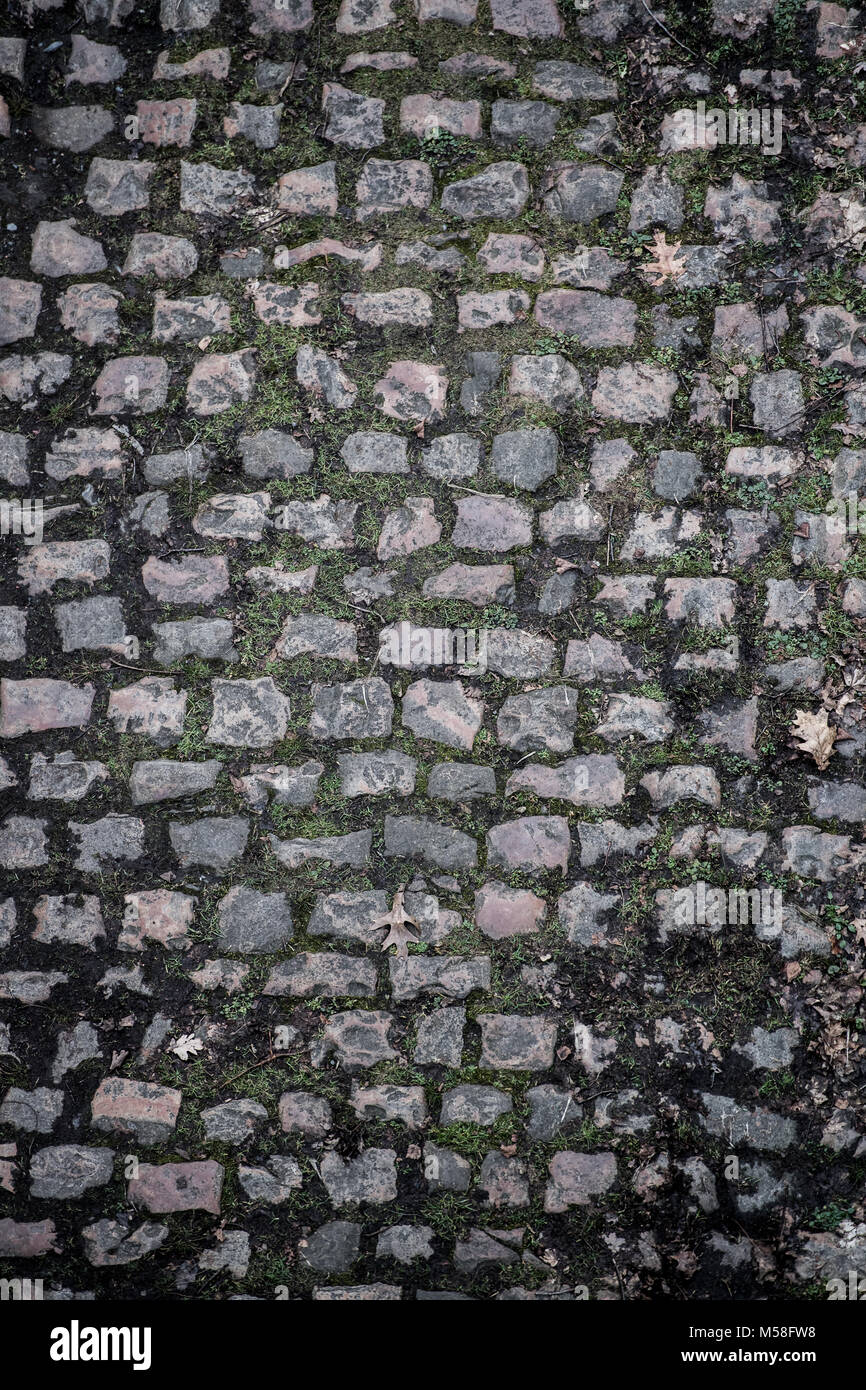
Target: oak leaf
{"x":395,"y":920}
{"x":816,"y":736}
{"x":668,"y":263}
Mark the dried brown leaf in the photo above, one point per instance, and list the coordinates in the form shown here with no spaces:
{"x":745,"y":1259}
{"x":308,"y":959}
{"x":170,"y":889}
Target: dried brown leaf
{"x":395,"y":920}
{"x":668,"y":263}
{"x":815,"y":736}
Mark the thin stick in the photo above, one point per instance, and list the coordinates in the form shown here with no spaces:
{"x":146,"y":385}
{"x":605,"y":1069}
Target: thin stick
{"x":263,"y":1063}
{"x":673,"y":36}
{"x":291,"y":76}
{"x":142,"y":670}
{"x":474,"y":490}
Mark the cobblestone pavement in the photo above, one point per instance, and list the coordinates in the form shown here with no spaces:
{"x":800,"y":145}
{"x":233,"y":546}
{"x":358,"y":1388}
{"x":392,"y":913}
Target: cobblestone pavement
{"x":432,"y":716}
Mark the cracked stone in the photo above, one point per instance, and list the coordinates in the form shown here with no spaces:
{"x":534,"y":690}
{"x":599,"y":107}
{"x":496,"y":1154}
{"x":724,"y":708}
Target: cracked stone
{"x":109,"y":1244}
{"x":355,"y":709}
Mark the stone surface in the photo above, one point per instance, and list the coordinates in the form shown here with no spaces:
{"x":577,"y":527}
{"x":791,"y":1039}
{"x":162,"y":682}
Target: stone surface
{"x":165,"y":257}
{"x":371,"y":1177}
{"x":355,"y":709}
{"x":352,"y":119}
{"x":254,"y":923}
{"x":67,"y":1171}
{"x":433,"y":459}
{"x":116,"y":186}
{"x":502,"y":912}
{"x":415,"y":837}
{"x":576,"y":1178}
{"x":531,"y":843}
{"x":139,"y":1108}
{"x":638,"y":394}
{"x":441,"y":711}
{"x":513,"y":1043}
{"x":35,"y":1112}
{"x":58,"y":249}
{"x":174,"y":1187}
{"x":499,"y":191}
{"x":491,"y":524}
{"x":550,"y":381}
{"x":212,"y":841}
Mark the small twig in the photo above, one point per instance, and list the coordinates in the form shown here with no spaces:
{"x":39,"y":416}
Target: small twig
{"x":359,"y":608}
{"x":291,"y":75}
{"x":142,"y":671}
{"x":477,"y":493}
{"x":263,"y":1063}
{"x":677,"y":41}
